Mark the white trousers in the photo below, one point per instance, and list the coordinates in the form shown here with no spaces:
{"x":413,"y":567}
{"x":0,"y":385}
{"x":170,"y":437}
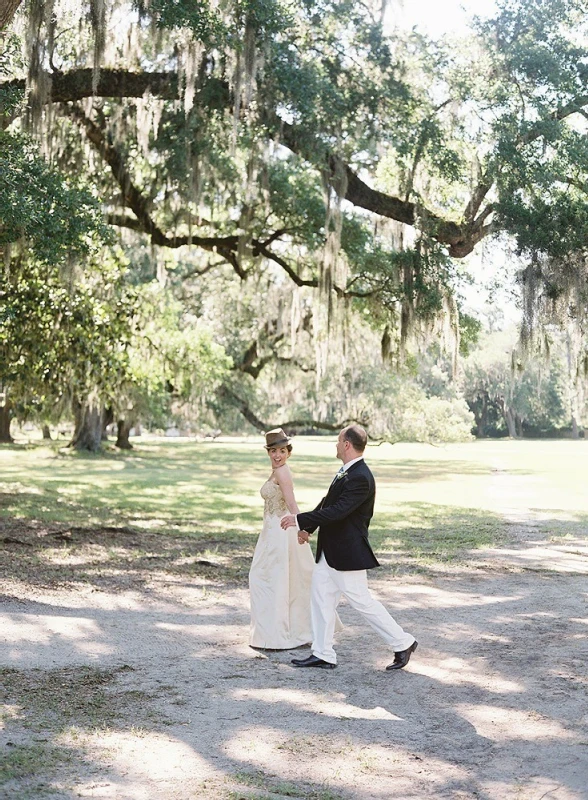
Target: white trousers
{"x":328,"y":585}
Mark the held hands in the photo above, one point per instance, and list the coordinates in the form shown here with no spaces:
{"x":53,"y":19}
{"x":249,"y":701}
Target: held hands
{"x":289,"y":521}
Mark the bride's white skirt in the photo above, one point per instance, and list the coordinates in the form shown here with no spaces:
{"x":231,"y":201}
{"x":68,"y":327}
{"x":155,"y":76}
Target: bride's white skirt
{"x":279,"y":584}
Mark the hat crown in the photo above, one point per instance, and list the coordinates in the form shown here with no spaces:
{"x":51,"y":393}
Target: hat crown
{"x":276,"y":437}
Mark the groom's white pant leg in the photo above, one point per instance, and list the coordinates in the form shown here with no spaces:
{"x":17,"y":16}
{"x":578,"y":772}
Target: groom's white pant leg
{"x":354,"y":587}
{"x":324,"y":598}
{"x":328,"y":585}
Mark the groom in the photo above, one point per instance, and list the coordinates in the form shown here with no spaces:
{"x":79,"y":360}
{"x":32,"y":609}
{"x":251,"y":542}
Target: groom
{"x":343,"y":556}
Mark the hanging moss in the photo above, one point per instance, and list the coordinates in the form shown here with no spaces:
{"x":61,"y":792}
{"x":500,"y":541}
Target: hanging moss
{"x":98,"y":22}
{"x":554,"y":294}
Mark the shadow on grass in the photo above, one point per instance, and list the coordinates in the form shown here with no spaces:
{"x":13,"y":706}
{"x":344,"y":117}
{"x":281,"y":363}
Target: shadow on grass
{"x":117,"y":558}
{"x":191,"y":480}
{"x":425,"y":532}
{"x":57,"y":707}
{"x":121,"y":556}
{"x":131,"y":536}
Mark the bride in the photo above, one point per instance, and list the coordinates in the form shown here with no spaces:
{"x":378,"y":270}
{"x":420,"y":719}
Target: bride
{"x":281,"y":570}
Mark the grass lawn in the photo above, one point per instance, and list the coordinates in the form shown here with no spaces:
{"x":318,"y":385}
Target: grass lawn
{"x":198,"y":503}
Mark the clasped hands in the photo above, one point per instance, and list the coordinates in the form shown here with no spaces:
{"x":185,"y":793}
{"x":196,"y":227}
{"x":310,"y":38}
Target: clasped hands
{"x":289,"y":521}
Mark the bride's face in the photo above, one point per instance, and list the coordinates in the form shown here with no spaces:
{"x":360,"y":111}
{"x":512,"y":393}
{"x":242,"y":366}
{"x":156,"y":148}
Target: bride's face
{"x":278,"y":456}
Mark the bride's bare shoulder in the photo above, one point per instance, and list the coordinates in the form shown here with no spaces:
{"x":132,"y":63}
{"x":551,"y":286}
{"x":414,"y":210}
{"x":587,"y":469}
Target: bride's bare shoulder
{"x":282,"y":474}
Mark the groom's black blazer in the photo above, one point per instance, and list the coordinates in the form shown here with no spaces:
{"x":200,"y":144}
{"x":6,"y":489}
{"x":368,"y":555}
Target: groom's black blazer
{"x":343,"y":519}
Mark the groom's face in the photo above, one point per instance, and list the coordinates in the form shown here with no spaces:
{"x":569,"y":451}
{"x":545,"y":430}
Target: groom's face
{"x":341,"y":447}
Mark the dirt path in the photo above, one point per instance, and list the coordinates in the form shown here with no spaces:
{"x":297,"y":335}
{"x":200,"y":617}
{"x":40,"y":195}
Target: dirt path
{"x":150,"y":692}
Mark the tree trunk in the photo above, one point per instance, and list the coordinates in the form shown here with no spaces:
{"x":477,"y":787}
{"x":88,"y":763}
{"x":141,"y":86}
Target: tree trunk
{"x":46,"y":431}
{"x":7,"y":11}
{"x":124,"y":428}
{"x":5,"y":420}
{"x":89,"y":424}
{"x":108,"y":420}
{"x":482,"y":418}
{"x":510,"y":422}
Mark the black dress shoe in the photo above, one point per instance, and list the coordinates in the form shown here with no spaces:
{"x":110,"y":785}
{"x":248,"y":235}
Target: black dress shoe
{"x":312,"y":661}
{"x":402,"y":658}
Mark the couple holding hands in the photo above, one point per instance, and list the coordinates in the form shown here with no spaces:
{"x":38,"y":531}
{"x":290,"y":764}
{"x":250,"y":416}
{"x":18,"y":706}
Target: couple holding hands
{"x":293,"y":600}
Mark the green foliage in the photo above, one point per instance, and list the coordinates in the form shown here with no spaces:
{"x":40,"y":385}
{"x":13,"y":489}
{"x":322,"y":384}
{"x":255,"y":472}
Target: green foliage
{"x":398,"y":409}
{"x":11,"y":96}
{"x":196,"y":146}
{"x":57,"y":218}
{"x":556,"y":225}
{"x":61,"y":340}
{"x":535,"y":395}
{"x":538,"y":57}
{"x":269,"y":92}
{"x":174,"y":366}
{"x":202,"y":19}
{"x":470,"y":329}
{"x":383,"y":276}
{"x":296,"y":199}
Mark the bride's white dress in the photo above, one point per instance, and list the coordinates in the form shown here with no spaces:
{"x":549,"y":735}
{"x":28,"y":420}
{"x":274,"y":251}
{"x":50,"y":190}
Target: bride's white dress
{"x":279,"y":580}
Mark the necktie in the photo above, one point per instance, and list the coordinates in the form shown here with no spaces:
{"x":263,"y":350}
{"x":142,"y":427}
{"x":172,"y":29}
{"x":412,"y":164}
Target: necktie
{"x":340,"y":473}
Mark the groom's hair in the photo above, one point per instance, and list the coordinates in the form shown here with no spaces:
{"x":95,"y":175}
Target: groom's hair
{"x":356,"y":436}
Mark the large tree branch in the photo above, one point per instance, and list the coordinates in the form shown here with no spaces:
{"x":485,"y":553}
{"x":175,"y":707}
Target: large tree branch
{"x":216,"y":244}
{"x":260,"y":249}
{"x":581,"y":185}
{"x":538,"y":129}
{"x":290,"y":426}
{"x":225,"y":246}
{"x":252,"y":364}
{"x":460,"y":238}
{"x":478,"y":196}
{"x":77,"y":84}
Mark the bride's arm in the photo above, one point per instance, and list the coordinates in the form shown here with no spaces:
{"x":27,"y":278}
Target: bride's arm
{"x":284,"y":479}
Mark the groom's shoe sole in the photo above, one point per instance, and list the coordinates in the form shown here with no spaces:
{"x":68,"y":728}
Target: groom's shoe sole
{"x":312,"y":661}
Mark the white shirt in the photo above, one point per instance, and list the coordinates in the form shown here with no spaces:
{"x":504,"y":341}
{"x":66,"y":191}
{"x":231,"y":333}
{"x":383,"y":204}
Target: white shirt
{"x":350,"y":463}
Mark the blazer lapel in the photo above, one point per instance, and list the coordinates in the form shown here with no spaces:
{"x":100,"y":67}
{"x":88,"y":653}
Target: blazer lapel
{"x":338,"y":484}
{"x":336,"y":487}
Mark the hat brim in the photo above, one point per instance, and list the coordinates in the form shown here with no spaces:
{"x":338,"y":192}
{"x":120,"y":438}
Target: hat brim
{"x":279,"y":443}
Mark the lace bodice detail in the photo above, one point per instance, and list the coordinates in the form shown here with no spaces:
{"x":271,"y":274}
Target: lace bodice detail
{"x":275,"y":505}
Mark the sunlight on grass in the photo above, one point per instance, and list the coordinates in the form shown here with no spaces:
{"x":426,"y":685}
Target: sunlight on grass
{"x":433,"y":503}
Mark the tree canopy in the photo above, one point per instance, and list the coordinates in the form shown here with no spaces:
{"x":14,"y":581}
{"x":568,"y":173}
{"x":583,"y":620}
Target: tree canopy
{"x":302,"y":161}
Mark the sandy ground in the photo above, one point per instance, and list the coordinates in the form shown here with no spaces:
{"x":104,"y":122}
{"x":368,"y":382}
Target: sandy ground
{"x":493,"y":705}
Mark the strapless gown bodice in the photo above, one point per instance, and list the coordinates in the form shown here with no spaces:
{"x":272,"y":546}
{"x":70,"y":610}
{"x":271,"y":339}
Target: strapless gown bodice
{"x":275,"y":505}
